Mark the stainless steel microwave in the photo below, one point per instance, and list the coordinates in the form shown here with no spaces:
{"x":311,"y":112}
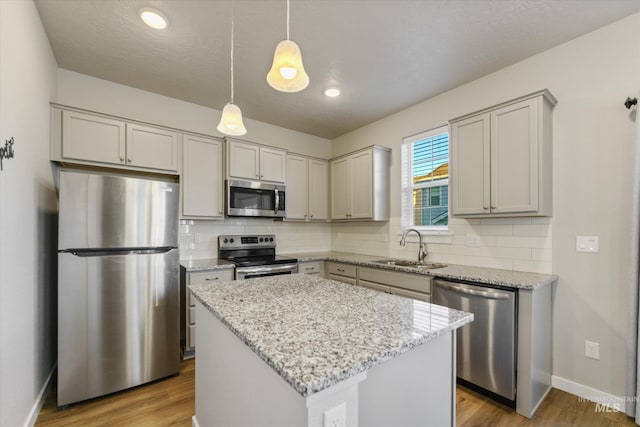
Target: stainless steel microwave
{"x":254,"y":198}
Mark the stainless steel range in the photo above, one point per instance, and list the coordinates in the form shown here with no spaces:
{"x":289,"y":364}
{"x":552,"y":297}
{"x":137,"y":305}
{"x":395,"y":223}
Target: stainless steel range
{"x":255,"y":256}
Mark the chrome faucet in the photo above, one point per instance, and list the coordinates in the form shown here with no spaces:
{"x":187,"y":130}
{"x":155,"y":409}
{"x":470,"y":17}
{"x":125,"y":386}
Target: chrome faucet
{"x":422,"y":252}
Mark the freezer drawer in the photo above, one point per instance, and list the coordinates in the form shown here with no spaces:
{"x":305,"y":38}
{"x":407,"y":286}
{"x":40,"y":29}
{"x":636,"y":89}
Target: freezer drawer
{"x":486,"y":347}
{"x":111,"y":211}
{"x":118,"y":322}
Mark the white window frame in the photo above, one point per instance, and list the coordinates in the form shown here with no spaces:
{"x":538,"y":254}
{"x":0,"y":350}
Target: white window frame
{"x":407,"y":186}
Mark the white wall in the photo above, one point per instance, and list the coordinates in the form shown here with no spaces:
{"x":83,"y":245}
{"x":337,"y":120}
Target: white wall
{"x":27,"y":214}
{"x":593,"y":142}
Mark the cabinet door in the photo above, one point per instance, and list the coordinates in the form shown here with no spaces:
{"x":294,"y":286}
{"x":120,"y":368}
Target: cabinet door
{"x":318,"y":192}
{"x":201,"y":177}
{"x":151,"y":147}
{"x":244,"y":160}
{"x":340,"y":188}
{"x":92,"y":138}
{"x":362,"y":185}
{"x":297,"y":187}
{"x":470,"y":166}
{"x":273,"y":164}
{"x":514,"y":158}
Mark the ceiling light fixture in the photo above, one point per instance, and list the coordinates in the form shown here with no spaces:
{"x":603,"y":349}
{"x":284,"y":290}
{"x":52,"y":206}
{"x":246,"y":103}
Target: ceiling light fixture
{"x":332,"y":92}
{"x":287,"y":73}
{"x":153,"y":18}
{"x":231,"y":119}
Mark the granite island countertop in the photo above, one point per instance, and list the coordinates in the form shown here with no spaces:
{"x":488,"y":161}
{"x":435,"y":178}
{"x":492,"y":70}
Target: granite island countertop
{"x":316,"y":332}
{"x":207,"y":264}
{"x":490,"y":276}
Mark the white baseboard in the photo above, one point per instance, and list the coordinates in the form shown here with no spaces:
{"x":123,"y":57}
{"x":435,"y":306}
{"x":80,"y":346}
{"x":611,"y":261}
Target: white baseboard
{"x":194,"y":422}
{"x":586,"y":392}
{"x":42,"y":397}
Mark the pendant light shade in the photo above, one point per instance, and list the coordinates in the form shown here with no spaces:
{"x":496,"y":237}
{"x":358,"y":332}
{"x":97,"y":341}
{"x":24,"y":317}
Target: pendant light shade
{"x":231,"y":121}
{"x":287,"y":73}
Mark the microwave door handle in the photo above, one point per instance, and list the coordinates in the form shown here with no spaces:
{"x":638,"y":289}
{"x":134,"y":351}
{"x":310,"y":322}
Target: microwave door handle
{"x":277,"y":204}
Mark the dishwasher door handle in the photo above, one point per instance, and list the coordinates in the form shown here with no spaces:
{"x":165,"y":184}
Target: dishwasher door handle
{"x":468,"y":291}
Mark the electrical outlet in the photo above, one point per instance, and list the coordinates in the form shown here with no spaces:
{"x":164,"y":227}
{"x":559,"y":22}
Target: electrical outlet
{"x":592,"y":350}
{"x":587,"y":244}
{"x":335,"y":417}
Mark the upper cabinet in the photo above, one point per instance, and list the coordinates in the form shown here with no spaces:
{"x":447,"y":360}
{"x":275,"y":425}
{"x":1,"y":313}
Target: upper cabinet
{"x":307,"y":188}
{"x":84,"y":138}
{"x":360,"y":185}
{"x":256,"y":162}
{"x":202,"y":178}
{"x":501,"y":159}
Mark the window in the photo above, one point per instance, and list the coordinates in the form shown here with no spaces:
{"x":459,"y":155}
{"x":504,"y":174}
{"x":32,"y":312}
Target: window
{"x":425,"y":180}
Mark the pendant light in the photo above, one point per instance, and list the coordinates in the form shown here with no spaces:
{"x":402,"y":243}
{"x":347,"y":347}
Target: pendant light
{"x":287,"y":72}
{"x":231,"y":120}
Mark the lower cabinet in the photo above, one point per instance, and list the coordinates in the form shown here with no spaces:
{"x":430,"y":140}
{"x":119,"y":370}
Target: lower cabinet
{"x":416,"y":286}
{"x":341,"y":272}
{"x":187,"y":310}
{"x":315,"y":268}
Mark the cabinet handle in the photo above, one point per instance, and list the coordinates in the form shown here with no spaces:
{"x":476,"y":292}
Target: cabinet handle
{"x":305,"y":215}
{"x":340,"y":270}
{"x":129,"y":160}
{"x":485,"y":207}
{"x":122,"y":159}
{"x":208,"y":279}
{"x":220,"y":212}
{"x":308,"y":268}
{"x":311,"y":216}
{"x":493,"y":207}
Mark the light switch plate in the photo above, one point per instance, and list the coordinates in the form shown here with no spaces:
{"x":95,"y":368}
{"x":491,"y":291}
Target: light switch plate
{"x":587,"y":244}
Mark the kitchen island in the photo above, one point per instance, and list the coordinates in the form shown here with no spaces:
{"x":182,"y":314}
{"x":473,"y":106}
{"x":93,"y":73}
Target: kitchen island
{"x":301,"y":350}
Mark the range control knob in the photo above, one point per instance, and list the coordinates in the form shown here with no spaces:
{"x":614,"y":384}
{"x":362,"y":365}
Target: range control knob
{"x":271,"y":239}
{"x":261,"y":239}
{"x":226,"y":240}
{"x":231,"y":240}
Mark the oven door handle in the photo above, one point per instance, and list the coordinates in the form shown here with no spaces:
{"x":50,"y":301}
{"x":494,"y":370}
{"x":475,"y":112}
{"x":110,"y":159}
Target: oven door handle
{"x":277,"y":204}
{"x":267,"y":269}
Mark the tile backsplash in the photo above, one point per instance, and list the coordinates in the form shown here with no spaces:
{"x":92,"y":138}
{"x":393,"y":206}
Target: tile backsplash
{"x":522,"y":244}
{"x":199,"y":239}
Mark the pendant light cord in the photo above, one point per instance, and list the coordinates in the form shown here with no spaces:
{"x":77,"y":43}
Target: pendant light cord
{"x":287,"y":19}
{"x":232,"y":19}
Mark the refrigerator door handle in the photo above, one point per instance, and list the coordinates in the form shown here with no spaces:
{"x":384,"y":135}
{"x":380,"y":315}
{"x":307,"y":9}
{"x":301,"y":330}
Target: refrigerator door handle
{"x":126,"y":251}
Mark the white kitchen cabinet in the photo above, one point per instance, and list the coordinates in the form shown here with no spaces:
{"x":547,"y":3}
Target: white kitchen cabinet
{"x":94,"y":139}
{"x":501,"y":159}
{"x":315,"y":268}
{"x":202,"y":178}
{"x":360,"y":185}
{"x":152,"y":147}
{"x":307,"y":188}
{"x":255,"y":162}
{"x":416,"y":286}
{"x":341,"y":272}
{"x":187,"y":313}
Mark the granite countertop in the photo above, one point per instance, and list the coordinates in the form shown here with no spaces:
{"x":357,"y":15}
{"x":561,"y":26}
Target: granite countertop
{"x":490,"y":276}
{"x":207,"y":264}
{"x":316,"y":332}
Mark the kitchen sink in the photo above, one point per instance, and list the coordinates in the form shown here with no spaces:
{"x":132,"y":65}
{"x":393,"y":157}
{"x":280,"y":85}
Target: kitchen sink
{"x":407,"y":263}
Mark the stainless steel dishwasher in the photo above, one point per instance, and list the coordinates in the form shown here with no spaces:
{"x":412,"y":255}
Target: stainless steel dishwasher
{"x":486,"y":347}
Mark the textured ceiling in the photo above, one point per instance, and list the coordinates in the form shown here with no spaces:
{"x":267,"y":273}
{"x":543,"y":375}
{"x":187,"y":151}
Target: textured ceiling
{"x":384,"y":55}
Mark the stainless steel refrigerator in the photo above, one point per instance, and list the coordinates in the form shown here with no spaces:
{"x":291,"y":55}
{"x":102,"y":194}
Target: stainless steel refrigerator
{"x":118,"y":283}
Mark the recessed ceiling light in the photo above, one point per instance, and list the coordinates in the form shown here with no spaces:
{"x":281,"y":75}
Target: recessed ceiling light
{"x":332,"y":92}
{"x":153,"y":18}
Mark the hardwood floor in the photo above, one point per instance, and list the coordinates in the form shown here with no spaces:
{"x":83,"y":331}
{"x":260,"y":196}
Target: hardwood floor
{"x":170,"y":402}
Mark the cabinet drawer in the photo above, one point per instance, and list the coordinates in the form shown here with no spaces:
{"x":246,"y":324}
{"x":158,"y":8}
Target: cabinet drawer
{"x":410,"y":294}
{"x":309,"y":267}
{"x":374,"y":286}
{"x":210,"y":276}
{"x":191,"y":336}
{"x":414,"y":282}
{"x":191,"y":318}
{"x":342,"y":269}
{"x":343,"y":279}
